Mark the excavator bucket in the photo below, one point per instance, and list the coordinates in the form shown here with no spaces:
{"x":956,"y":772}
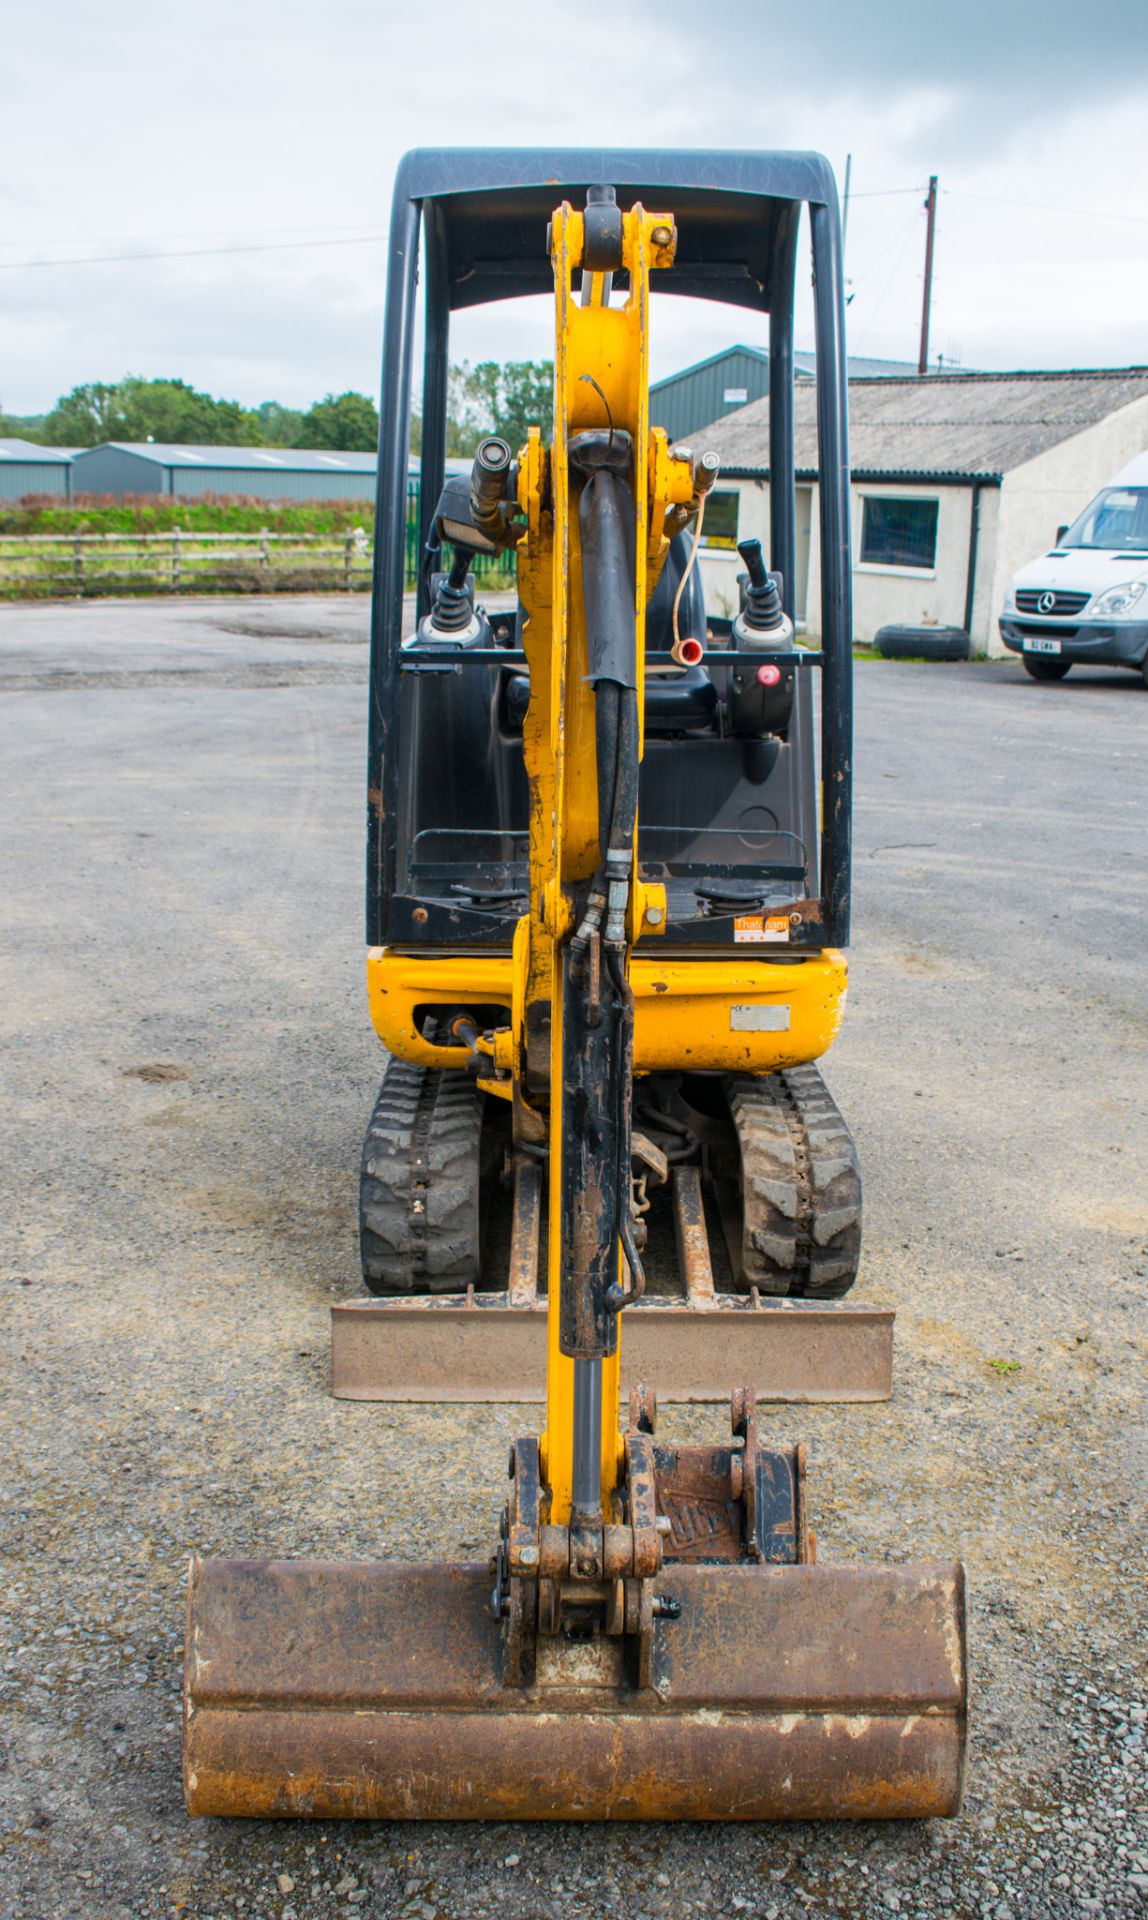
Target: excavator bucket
{"x":359,"y":1691}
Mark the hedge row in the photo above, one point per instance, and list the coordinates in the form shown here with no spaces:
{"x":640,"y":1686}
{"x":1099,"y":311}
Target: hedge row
{"x":151,"y":513}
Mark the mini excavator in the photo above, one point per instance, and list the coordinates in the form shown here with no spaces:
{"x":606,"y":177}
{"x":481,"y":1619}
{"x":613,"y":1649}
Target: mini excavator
{"x":606,"y":919}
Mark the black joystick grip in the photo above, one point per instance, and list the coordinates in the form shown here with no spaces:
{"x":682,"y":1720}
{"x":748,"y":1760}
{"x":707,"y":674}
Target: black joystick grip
{"x":452,"y":611}
{"x":762,"y":611}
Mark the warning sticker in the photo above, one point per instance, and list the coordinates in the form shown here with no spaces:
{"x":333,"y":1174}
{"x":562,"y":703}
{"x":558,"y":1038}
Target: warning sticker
{"x":760,"y":927}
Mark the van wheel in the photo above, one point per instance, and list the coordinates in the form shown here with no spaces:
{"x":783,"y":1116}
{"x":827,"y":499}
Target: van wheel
{"x":1039,"y":667}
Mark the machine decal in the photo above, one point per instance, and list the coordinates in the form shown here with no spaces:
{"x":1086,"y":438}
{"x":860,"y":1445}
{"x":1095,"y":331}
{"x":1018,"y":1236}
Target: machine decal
{"x":759,"y":1019}
{"x":758,"y":927}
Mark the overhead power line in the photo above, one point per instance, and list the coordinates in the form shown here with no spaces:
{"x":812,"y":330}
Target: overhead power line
{"x":855,"y":279}
{"x":1005,"y":200}
{"x":905,"y":236}
{"x":248,"y":232}
{"x":192,"y":253}
{"x":885,"y":193}
{"x":1048,"y":206}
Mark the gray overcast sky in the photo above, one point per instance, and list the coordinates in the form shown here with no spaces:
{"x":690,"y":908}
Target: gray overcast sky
{"x":143,"y":127}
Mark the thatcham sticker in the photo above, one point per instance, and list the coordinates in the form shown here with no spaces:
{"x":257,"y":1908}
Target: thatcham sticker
{"x":756,"y":926}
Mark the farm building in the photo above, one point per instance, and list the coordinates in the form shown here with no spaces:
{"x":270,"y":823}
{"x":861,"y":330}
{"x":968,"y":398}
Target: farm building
{"x":26,"y":468}
{"x":689,"y":400}
{"x":187,"y":473}
{"x":958,"y":480}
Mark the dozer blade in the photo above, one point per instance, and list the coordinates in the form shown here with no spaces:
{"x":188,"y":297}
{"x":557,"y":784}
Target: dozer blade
{"x":491,"y":1346}
{"x":477,"y":1348}
{"x":375,"y":1691}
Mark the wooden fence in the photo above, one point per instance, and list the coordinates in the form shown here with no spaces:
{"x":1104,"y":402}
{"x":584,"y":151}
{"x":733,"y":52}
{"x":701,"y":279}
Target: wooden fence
{"x":81,"y":565}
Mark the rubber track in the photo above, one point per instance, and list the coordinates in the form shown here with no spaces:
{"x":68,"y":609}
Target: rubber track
{"x":419,"y":1183}
{"x":801,"y":1186}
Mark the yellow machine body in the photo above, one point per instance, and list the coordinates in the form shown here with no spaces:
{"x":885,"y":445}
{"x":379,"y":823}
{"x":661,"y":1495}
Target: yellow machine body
{"x":689,"y":1014}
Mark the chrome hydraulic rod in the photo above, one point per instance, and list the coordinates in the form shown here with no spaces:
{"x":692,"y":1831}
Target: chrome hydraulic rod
{"x":587,"y":1493}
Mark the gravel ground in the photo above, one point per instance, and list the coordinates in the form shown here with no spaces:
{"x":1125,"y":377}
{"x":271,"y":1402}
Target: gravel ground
{"x":188,"y":1071}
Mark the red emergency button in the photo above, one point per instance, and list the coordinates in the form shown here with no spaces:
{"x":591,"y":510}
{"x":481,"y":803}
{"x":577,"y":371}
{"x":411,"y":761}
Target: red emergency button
{"x":768,"y":675}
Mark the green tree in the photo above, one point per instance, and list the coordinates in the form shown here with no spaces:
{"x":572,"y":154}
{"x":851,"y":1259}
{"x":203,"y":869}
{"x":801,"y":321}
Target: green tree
{"x":525,"y":399}
{"x":344,"y":423}
{"x":135,"y":409}
{"x":21,"y":426}
{"x":503,"y":399}
{"x":173,"y":411}
{"x":88,"y":415}
{"x":279,"y":426}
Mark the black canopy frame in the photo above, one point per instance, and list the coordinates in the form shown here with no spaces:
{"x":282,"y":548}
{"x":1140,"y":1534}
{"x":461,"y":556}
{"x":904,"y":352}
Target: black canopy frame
{"x":482,"y":214}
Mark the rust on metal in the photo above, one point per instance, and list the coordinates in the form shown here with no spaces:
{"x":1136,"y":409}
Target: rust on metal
{"x":642,"y":1503}
{"x":692,"y":1237}
{"x":525,"y":1233}
{"x":524,"y":1514}
{"x":449,"y":1348}
{"x":594,"y":1164}
{"x":643,"y":1408}
{"x":696,"y":1497}
{"x":701,"y":1495}
{"x":344,"y":1691}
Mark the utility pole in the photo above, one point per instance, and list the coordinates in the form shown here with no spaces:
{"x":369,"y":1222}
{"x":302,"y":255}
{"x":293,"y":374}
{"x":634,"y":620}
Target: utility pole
{"x":930,"y":233}
{"x":845,"y":206}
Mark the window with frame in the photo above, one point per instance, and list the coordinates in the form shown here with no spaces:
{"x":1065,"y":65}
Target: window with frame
{"x":898,"y":532}
{"x":719,"y":528}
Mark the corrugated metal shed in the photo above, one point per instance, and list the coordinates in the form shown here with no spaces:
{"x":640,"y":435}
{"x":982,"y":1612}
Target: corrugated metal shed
{"x":267,"y":473}
{"x":938,"y":425}
{"x":26,"y":468}
{"x":860,"y":365}
{"x":688,"y":400}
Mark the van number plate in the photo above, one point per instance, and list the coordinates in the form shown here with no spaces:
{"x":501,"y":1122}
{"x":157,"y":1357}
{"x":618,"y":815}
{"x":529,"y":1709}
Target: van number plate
{"x":1034,"y":644}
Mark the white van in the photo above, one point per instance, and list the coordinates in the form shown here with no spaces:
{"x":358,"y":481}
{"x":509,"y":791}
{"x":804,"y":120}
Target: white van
{"x":1087,"y":600}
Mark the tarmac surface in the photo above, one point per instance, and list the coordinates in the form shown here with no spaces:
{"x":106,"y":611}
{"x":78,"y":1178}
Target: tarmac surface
{"x":188,"y":1071}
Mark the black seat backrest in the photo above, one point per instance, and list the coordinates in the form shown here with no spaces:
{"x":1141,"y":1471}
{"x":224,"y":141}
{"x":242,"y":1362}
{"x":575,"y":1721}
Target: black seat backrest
{"x":660,"y":611}
{"x":679,"y":702}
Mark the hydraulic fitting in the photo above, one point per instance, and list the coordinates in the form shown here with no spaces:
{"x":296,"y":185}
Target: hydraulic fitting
{"x":488,"y":481}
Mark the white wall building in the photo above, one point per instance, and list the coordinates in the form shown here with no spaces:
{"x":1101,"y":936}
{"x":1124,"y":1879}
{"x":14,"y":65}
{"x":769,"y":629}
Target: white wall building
{"x":959,"y":479}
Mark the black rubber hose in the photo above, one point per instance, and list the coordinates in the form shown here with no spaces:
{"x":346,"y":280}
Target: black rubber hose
{"x":617,"y":1296}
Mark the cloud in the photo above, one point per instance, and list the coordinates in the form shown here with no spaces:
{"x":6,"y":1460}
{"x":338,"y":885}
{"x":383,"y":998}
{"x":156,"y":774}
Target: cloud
{"x":254,"y":122}
{"x":1031,"y":53}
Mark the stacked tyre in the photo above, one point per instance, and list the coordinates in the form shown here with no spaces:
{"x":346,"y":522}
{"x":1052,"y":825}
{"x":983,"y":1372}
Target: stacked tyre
{"x":922,"y":643}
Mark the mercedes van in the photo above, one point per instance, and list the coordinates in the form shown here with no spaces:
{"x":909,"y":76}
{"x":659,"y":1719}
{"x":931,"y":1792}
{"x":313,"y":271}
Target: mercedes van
{"x":1087,"y":600}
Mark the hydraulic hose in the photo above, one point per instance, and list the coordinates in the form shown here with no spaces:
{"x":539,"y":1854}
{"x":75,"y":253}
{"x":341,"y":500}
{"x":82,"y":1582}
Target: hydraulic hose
{"x":617,"y":1296}
{"x":607,"y":527}
{"x":624,"y":807}
{"x":606,"y":715}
